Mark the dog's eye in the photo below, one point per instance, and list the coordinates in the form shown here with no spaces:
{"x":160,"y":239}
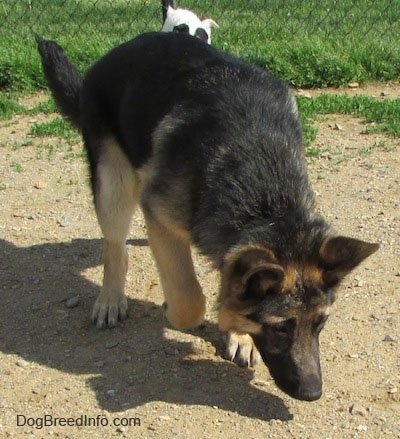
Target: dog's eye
{"x":284,"y":329}
{"x":281,"y":329}
{"x":319,"y":323}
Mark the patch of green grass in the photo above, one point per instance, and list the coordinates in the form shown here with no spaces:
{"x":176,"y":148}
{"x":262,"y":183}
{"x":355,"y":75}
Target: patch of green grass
{"x":57,"y":127}
{"x":17,"y":145}
{"x":46,"y":107}
{"x":383,"y":116}
{"x":379,"y":116}
{"x":309,"y":133}
{"x":313,"y":152}
{"x":365,"y":151}
{"x":383,"y":145}
{"x":9,"y":107}
{"x":16,"y":166}
{"x":71,"y":154}
{"x":313,"y":43}
{"x":47,"y":150}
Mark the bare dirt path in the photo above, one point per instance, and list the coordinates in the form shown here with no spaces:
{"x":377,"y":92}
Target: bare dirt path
{"x":146,"y":380}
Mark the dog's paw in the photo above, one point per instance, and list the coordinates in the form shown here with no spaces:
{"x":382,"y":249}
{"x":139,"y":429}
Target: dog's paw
{"x":186,"y":313}
{"x":241,"y":350}
{"x":108,"y":310}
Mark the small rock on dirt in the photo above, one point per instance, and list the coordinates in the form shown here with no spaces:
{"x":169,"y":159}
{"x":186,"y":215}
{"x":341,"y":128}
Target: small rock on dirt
{"x":389,"y":338}
{"x":112,"y":344}
{"x":40,"y":185}
{"x":358,"y":409}
{"x":170,"y":351}
{"x":22,"y":363}
{"x":63,"y":222}
{"x":72,"y":302}
{"x":304,"y":93}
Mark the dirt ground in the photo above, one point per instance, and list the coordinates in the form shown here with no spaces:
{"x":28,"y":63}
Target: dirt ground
{"x":61,"y":377}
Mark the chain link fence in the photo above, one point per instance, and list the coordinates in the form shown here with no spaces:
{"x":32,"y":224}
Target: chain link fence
{"x":307,"y":42}
{"x":282,"y":19}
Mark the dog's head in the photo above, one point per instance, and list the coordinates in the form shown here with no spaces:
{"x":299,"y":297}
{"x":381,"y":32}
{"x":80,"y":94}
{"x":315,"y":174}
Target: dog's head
{"x":185,"y":21}
{"x":285,"y":307}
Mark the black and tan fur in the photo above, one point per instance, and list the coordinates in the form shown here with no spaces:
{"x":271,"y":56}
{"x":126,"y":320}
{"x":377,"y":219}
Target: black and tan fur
{"x":211,"y":149}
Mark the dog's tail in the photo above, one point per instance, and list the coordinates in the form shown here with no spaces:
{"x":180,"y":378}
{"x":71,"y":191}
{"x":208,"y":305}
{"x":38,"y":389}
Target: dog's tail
{"x":64,"y":81}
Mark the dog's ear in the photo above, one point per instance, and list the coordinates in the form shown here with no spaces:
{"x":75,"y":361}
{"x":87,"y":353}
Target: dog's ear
{"x":202,"y":34}
{"x":208,"y":23}
{"x":261,"y":280}
{"x":251,"y":272}
{"x":339,"y":255}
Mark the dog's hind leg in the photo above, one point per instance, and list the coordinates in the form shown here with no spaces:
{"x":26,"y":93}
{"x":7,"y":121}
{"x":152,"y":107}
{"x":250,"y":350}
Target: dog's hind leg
{"x":115,"y":186}
{"x":185,"y":302}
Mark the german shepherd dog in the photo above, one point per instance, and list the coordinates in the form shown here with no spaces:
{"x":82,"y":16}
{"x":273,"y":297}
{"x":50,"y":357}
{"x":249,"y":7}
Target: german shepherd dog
{"x":211,"y":149}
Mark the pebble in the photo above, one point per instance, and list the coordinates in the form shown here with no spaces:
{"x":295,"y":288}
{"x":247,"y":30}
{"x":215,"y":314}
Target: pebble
{"x":389,"y":338}
{"x":260,"y":383}
{"x":358,"y":282}
{"x":326,"y":155}
{"x":40,"y":185}
{"x":362,"y":428}
{"x":304,"y":93}
{"x":202,"y":271}
{"x":63,"y":222}
{"x":111,"y":344}
{"x":376,"y":317}
{"x":354,"y":85}
{"x":72,"y":302}
{"x":22,"y":363}
{"x":338,"y":127}
{"x":357,"y":409}
{"x":170,"y":350}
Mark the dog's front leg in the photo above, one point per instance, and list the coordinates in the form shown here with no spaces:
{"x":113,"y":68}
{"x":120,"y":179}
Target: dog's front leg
{"x":185,"y":302}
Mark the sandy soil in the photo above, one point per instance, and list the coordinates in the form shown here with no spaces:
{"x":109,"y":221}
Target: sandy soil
{"x":143,"y":379}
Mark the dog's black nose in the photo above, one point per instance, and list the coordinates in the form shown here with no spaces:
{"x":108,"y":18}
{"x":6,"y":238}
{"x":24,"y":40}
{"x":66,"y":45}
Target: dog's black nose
{"x":310,"y":389}
{"x":309,"y":395}
{"x":306,"y":391}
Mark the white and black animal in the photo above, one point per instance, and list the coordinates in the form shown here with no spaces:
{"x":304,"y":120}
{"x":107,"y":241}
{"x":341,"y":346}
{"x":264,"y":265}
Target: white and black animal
{"x":185,"y":21}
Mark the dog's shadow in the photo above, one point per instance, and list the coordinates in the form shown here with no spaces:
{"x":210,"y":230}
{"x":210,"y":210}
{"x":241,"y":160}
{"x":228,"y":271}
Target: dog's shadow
{"x":132,"y":364}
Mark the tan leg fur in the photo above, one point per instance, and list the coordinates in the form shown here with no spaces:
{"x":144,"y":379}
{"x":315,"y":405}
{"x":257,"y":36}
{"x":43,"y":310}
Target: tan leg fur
{"x":183,"y":293}
{"x":116,"y":197}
